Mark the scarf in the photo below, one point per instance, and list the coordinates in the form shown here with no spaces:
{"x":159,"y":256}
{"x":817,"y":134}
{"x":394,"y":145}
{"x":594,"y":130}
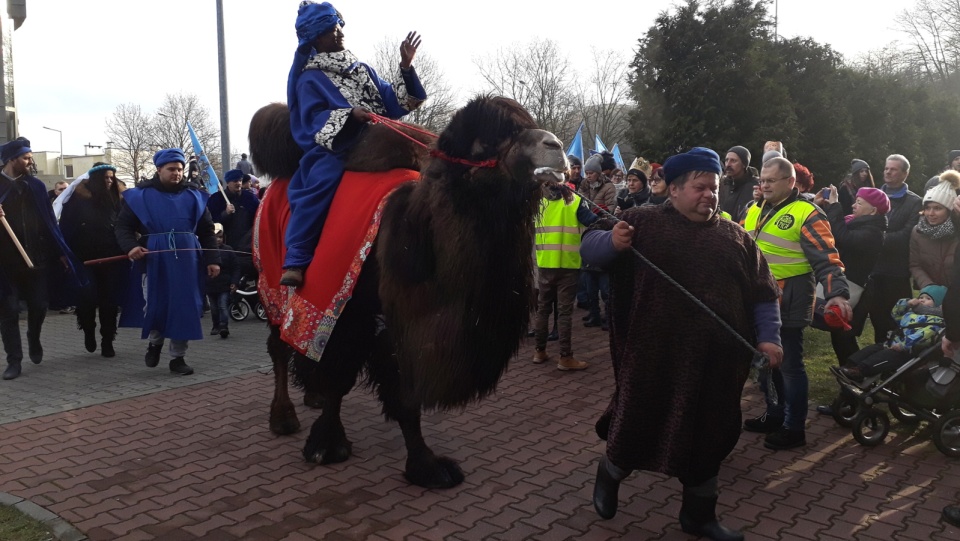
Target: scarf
{"x":902,"y":191}
{"x":936,"y":232}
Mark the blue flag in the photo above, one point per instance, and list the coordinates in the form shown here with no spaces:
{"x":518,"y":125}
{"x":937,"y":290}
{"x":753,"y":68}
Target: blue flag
{"x":576,"y":146}
{"x":206,"y":170}
{"x":598,"y":144}
{"x":618,"y":158}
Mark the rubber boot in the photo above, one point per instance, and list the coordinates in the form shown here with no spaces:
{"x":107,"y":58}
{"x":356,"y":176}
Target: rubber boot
{"x":698,"y":516}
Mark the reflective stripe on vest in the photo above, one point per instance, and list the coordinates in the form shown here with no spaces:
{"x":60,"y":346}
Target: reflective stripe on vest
{"x":779,"y":238}
{"x":558,"y":235}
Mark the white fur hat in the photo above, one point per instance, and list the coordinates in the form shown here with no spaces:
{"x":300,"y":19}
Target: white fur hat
{"x":945,"y":192}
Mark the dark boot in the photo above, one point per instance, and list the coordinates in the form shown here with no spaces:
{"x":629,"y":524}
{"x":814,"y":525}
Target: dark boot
{"x":106,"y":348}
{"x":292,"y":277}
{"x":152,"y":358}
{"x":950,"y":515}
{"x":606,"y":489}
{"x":87,"y":322}
{"x":34,"y":347}
{"x":224,"y":332}
{"x":698,"y":516}
{"x":90,"y":339}
{"x":12,"y":371}
{"x":179,"y":366}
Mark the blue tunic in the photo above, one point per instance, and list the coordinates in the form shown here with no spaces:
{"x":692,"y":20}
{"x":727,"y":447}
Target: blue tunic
{"x":176,"y":279}
{"x":325,"y":92}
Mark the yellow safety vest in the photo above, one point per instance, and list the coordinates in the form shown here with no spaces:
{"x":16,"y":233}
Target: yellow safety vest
{"x":778,"y":238}
{"x":558,"y":234}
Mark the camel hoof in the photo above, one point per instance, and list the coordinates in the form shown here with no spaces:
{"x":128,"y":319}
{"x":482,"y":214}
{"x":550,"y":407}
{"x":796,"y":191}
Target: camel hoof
{"x":313,"y":400}
{"x":434,"y":472}
{"x":316,"y":454}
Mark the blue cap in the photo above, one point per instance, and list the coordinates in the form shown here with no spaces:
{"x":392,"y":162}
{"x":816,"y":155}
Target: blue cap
{"x":698,"y":159}
{"x":167,"y":155}
{"x":17,"y":147}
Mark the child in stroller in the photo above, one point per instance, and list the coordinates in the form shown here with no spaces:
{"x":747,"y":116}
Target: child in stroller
{"x":920,"y":323}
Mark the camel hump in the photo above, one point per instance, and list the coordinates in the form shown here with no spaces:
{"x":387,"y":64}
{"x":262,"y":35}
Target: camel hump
{"x":381,"y":148}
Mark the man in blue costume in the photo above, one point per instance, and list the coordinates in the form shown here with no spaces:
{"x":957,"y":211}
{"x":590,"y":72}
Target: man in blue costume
{"x":331,"y":95}
{"x":26,"y":207}
{"x":169,"y":218}
{"x":236,"y":212}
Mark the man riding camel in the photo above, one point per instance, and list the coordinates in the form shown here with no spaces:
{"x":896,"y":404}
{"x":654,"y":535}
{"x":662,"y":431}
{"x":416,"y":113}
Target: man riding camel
{"x":331,"y":96}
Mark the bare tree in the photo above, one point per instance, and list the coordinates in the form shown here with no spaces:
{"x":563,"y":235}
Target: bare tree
{"x":538,"y":76}
{"x":434,"y":113}
{"x":169,"y":127}
{"x":605,"y":103}
{"x":933,"y":31}
{"x":129,"y":140}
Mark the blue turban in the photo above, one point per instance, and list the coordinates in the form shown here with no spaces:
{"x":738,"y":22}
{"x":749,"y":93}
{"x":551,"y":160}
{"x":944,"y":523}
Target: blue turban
{"x":167,"y":155}
{"x":233,"y":175}
{"x":698,"y":159}
{"x":314,"y":20}
{"x":17,"y":147}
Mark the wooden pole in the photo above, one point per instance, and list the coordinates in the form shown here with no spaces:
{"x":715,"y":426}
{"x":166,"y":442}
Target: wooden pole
{"x":16,"y":242}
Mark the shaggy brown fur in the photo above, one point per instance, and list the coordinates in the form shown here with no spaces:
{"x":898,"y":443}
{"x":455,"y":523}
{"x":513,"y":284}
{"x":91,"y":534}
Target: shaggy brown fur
{"x":450,"y":272}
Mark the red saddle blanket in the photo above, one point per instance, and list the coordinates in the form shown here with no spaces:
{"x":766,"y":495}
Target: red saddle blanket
{"x":307,"y":315}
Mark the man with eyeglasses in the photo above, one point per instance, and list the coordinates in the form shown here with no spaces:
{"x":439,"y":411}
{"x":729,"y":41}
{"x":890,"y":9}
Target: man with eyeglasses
{"x":795,"y":238}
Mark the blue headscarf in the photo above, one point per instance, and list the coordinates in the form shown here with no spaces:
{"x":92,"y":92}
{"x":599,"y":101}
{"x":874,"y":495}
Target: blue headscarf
{"x":17,"y":147}
{"x":233,"y":175}
{"x":167,"y":155}
{"x":698,"y":159}
{"x":313,"y":20}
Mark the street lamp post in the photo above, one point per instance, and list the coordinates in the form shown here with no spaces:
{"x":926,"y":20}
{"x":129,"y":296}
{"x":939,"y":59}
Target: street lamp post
{"x":62,"y":171}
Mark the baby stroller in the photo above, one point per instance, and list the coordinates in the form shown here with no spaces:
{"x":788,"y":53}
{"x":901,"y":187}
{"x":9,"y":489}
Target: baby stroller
{"x":245,"y":299}
{"x":926,"y":388}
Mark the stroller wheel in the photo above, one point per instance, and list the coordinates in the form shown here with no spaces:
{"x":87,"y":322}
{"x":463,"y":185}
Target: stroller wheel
{"x":903,"y":415}
{"x":260,"y":311}
{"x":239,"y":310}
{"x":946,"y":435}
{"x":870,"y":427}
{"x":845,"y":409}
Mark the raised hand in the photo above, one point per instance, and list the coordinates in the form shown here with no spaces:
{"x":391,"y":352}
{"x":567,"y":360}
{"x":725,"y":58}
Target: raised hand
{"x":408,"y":49}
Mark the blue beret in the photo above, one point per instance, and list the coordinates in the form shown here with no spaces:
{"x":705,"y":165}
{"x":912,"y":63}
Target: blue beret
{"x":314,"y":20}
{"x":167,"y":155}
{"x":233,"y":175}
{"x":698,"y":159}
{"x":17,"y":147}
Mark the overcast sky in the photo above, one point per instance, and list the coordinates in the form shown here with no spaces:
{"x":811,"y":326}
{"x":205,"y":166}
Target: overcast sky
{"x":76,"y":61}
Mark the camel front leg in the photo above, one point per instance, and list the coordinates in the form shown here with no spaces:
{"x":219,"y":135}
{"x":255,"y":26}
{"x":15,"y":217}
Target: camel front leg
{"x":283,"y":416}
{"x":424,"y":468}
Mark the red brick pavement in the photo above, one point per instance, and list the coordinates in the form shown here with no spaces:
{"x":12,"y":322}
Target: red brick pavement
{"x":200,"y":463}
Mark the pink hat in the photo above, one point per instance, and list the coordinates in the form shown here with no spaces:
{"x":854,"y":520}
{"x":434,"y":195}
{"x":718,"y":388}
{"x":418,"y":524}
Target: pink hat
{"x":875,"y":197}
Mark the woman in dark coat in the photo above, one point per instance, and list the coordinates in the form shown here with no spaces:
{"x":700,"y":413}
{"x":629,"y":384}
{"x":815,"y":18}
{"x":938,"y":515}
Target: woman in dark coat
{"x":859,"y":177}
{"x":859,"y":237}
{"x":87,"y":223}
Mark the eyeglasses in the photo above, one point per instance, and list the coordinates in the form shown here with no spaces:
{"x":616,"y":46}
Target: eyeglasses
{"x":764,"y":182}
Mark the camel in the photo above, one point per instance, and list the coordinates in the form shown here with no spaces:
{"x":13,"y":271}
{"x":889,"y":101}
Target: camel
{"x":441,"y":303}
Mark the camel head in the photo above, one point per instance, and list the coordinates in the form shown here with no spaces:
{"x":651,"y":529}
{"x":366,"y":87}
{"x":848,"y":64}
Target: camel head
{"x":498,"y":128}
{"x":272,"y":148}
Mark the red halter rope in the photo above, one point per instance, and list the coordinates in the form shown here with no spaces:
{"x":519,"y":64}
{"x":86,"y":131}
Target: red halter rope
{"x":436,"y":153}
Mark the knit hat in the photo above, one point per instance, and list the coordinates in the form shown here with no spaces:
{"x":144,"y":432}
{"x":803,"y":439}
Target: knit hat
{"x":877,"y":198}
{"x":742,"y":153}
{"x":698,"y":159}
{"x":945,"y":192}
{"x":858,"y":165}
{"x":233,"y":175}
{"x":952,"y":155}
{"x":217,"y":228}
{"x":641,"y":169}
{"x":574,"y":160}
{"x":770,"y":154}
{"x":593,"y":164}
{"x":167,"y":155}
{"x":17,"y":147}
{"x":937,"y":293}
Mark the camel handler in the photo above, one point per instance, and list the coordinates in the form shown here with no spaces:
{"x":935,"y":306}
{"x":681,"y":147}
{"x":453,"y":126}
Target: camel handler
{"x":795,"y":238}
{"x":678,"y":372}
{"x":169,"y":217}
{"x":331,"y":95}
{"x":26,"y":209}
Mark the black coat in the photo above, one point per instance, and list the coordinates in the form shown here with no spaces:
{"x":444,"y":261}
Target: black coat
{"x":88,"y":224}
{"x":229,"y":272}
{"x":904,"y":214}
{"x":858,"y":242}
{"x":626,"y":200}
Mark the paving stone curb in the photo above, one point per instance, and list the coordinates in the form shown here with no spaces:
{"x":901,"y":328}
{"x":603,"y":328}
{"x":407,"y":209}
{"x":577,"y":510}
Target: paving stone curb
{"x":61,"y":529}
